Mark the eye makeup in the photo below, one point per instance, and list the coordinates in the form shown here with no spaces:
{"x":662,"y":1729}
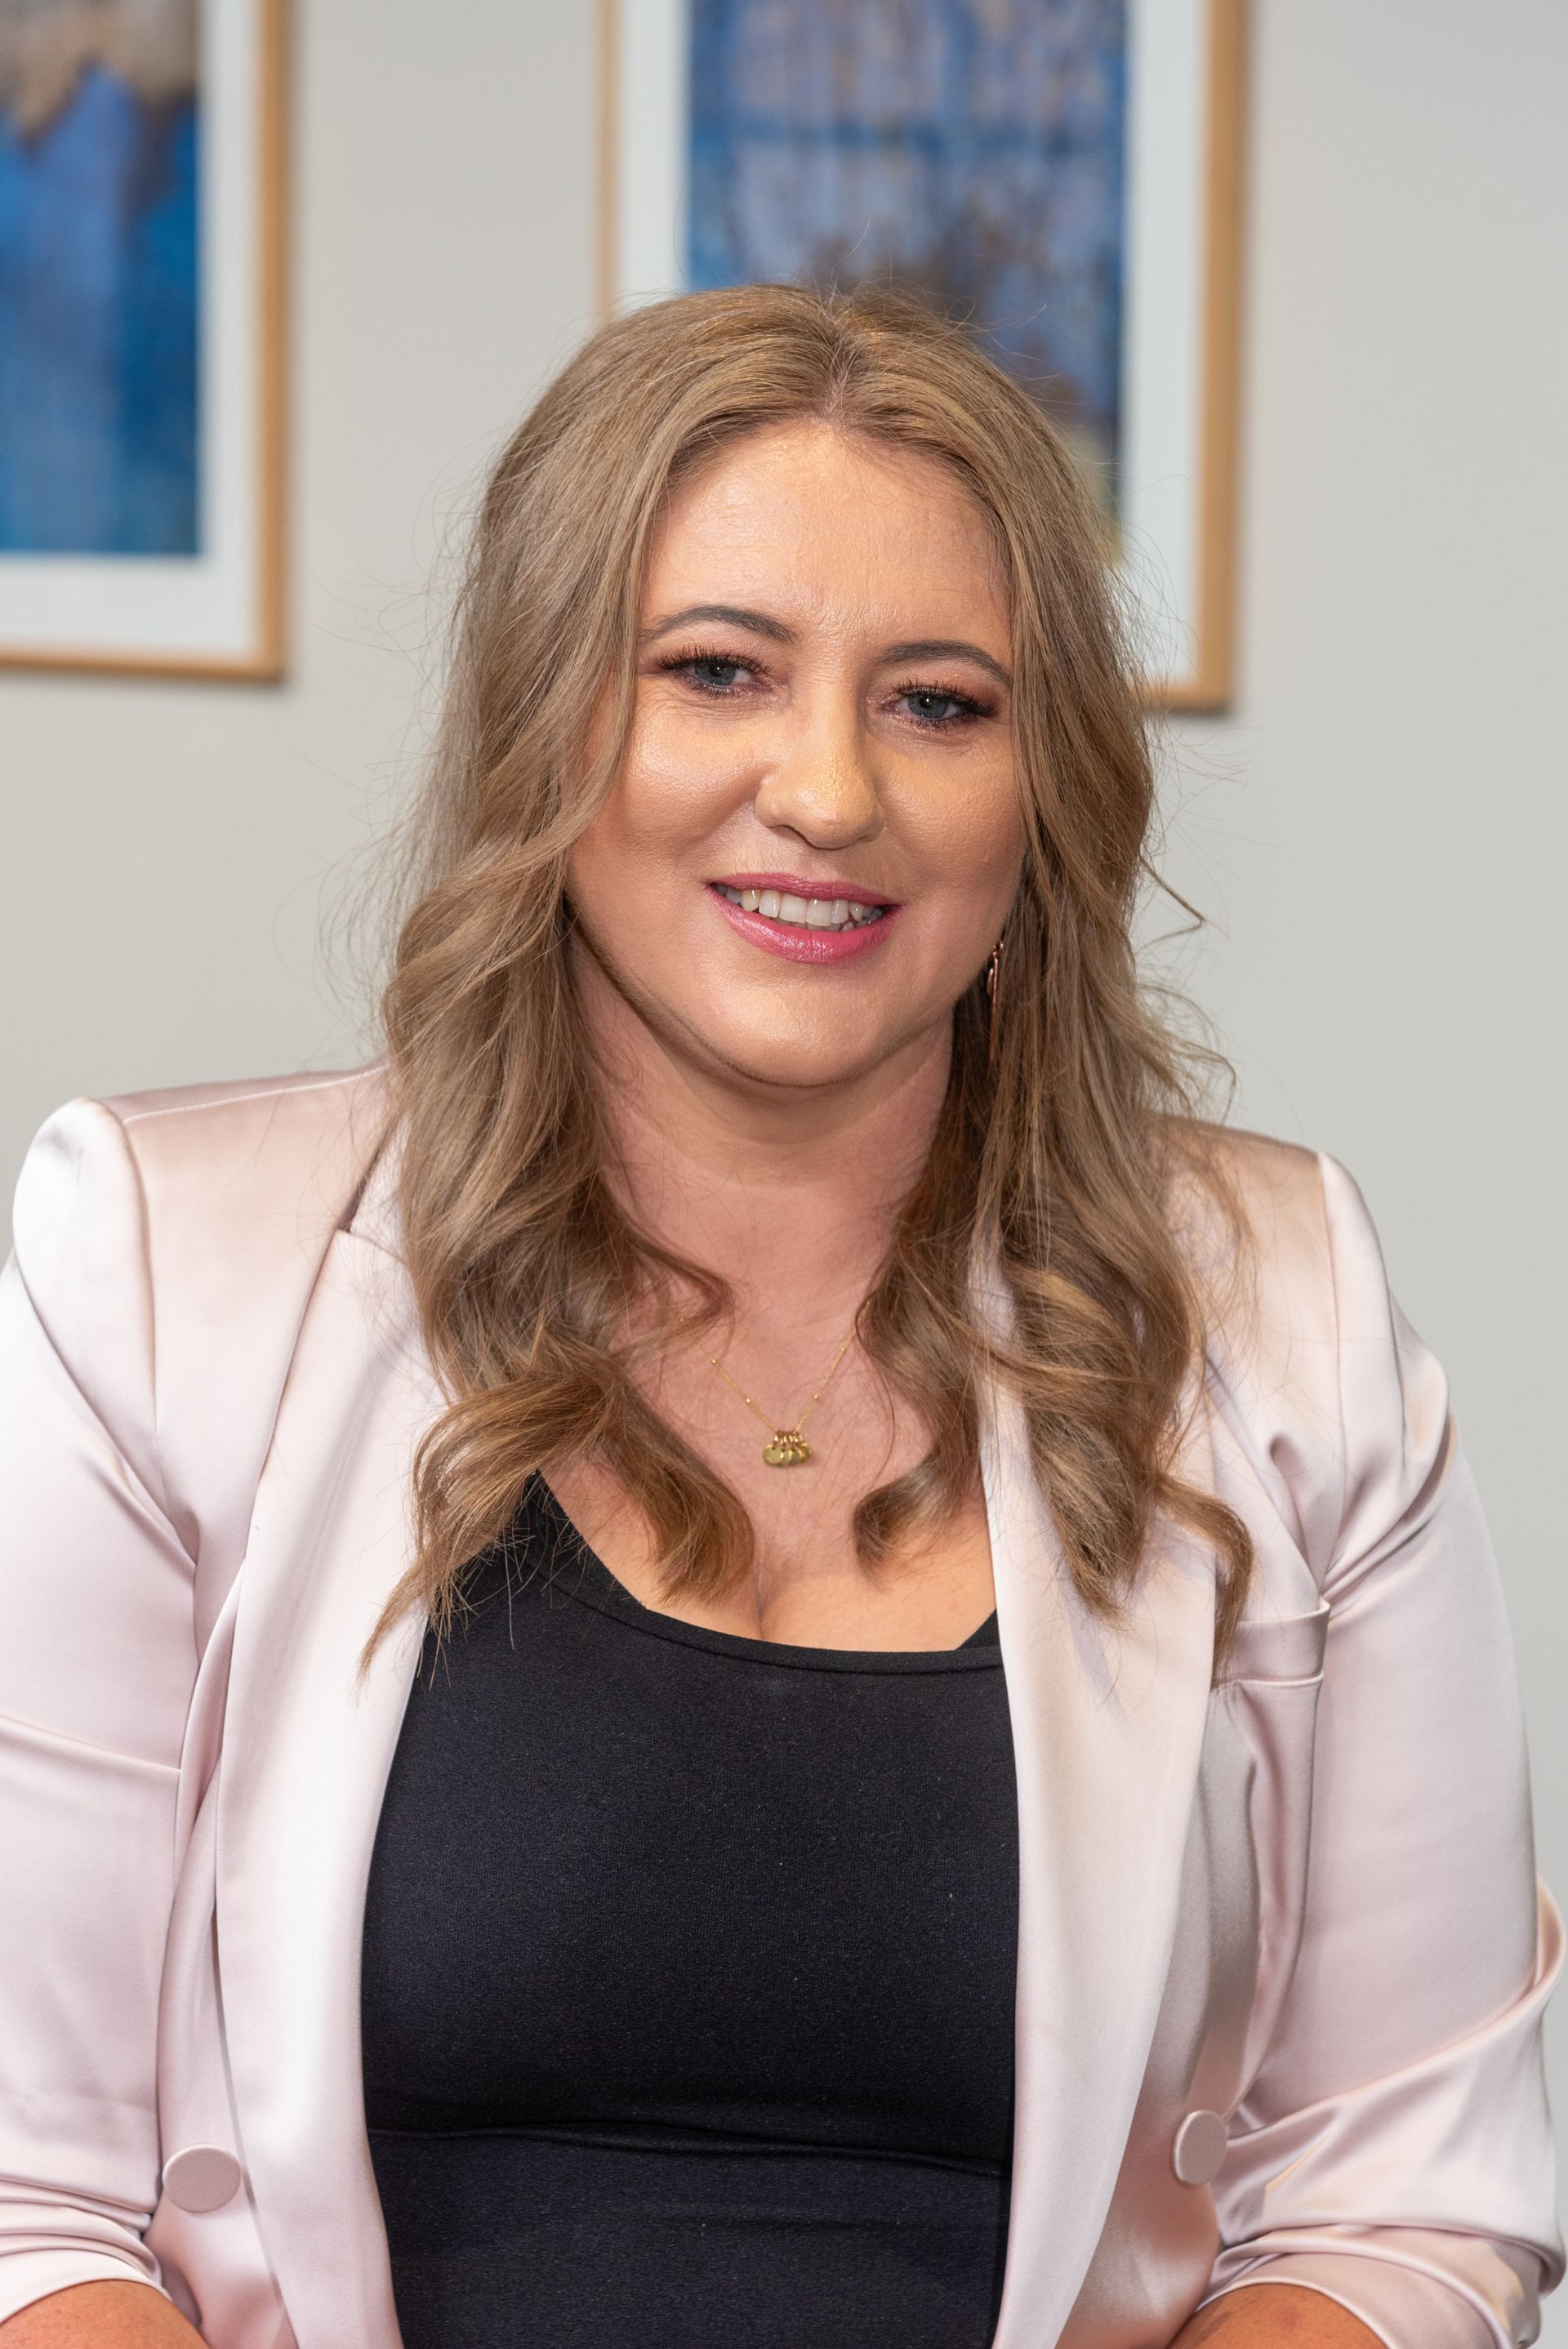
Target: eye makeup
{"x":691,"y":659}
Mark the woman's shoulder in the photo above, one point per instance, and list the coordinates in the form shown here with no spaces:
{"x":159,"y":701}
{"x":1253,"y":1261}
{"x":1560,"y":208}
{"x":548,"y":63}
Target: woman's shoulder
{"x":210,"y":1204}
{"x":321,"y":1124}
{"x":222,"y":1151}
{"x":1272,"y":1227}
{"x":1311,"y":1364}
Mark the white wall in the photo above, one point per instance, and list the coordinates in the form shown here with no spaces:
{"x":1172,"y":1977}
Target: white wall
{"x":1380,"y":826}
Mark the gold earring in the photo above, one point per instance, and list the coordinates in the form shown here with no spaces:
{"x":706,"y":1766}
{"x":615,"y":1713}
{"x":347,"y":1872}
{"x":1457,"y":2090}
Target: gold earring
{"x":993,"y":974}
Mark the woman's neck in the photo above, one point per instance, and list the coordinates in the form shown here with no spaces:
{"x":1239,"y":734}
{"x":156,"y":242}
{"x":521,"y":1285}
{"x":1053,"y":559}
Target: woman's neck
{"x":787,"y":1193}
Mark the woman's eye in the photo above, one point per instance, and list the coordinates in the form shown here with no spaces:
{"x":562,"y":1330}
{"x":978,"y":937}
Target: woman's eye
{"x":929,"y":706}
{"x":712,"y":674}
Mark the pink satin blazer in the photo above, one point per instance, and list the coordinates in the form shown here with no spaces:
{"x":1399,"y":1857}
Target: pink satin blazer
{"x":1280,"y":1961}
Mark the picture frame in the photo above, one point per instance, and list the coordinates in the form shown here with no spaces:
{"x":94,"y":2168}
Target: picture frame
{"x":141,"y":410}
{"x":1175,"y":268}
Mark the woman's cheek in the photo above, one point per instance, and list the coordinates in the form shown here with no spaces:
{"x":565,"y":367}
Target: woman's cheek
{"x":680,"y":781}
{"x":966,"y":827}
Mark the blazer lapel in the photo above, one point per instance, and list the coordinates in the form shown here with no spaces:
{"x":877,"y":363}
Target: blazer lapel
{"x":1108,"y":1724}
{"x":308,"y":1743}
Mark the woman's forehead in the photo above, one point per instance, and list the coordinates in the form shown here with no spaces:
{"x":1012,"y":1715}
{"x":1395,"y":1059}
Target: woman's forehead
{"x":822,"y":520}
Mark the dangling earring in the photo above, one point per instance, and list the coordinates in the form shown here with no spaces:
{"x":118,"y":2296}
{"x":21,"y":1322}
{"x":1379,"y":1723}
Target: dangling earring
{"x":992,"y":973}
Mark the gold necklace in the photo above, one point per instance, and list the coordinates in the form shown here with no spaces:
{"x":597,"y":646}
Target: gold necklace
{"x":787,"y":1447}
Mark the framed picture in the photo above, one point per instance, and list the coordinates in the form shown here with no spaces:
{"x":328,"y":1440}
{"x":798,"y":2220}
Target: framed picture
{"x":141,"y":336}
{"x":1064,"y":174}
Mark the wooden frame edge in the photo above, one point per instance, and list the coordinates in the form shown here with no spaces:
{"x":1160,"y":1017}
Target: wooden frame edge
{"x":272,"y":287}
{"x":264,"y":663}
{"x":1212,"y":684}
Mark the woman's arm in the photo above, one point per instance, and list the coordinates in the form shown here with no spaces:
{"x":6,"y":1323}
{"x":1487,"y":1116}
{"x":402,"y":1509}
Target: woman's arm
{"x":100,"y":2316}
{"x":1393,"y":2151}
{"x":1273,"y":2316}
{"x":95,"y":1669}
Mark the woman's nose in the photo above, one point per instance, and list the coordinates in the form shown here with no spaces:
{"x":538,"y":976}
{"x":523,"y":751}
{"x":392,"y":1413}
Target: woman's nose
{"x":822,"y":785}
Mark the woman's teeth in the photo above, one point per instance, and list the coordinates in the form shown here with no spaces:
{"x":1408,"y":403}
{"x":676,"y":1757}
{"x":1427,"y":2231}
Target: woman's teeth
{"x":811,"y":913}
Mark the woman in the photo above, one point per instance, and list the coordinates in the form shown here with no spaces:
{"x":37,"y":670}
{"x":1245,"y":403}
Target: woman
{"x":753,"y":1649}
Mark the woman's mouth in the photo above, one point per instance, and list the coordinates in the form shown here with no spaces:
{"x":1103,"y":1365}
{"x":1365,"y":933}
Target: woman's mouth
{"x":804,"y":912}
{"x":801,"y":926}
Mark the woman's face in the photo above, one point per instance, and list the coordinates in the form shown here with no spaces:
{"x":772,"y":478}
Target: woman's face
{"x":814,"y":837}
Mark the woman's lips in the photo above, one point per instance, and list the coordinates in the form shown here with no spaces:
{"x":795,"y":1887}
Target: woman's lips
{"x":798,"y":942}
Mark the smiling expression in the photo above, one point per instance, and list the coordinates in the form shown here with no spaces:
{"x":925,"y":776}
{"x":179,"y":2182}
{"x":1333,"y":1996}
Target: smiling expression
{"x":813,"y":836}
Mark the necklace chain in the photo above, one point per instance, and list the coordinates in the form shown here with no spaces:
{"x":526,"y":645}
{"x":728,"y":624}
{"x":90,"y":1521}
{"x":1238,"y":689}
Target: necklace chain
{"x":787,"y":1448}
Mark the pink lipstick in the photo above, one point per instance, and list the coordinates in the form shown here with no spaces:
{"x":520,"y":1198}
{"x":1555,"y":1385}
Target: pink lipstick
{"x":804,"y":920}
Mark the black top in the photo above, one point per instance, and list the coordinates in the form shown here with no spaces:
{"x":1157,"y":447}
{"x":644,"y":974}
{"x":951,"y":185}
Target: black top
{"x":689,"y":1980}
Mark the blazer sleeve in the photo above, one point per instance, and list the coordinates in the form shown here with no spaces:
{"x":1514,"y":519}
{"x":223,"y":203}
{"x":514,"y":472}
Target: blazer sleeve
{"x":97,"y":1667}
{"x":1394,"y":2149}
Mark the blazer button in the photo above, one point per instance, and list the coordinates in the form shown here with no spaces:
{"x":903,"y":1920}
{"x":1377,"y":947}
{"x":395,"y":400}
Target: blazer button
{"x":201,"y":2178}
{"x":1200,"y":2148}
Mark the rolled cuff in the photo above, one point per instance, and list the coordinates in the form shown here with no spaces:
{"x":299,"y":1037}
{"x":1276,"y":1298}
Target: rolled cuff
{"x":28,"y":2273}
{"x":1402,"y":2300}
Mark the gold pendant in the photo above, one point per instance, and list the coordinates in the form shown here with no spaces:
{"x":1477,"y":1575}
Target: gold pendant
{"x":788,"y":1449}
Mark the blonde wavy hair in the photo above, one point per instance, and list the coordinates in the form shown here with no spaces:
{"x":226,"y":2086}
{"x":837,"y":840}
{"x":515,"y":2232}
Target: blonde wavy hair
{"x":1059,"y":1159}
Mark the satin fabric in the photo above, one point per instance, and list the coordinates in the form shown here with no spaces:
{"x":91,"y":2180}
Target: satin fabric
{"x":1303,"y":1899}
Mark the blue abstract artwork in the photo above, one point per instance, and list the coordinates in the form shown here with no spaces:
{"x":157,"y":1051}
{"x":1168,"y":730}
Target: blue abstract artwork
{"x":970,"y":149}
{"x":99,"y":301}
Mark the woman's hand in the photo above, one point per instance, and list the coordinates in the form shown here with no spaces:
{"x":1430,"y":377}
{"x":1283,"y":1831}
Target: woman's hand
{"x":1275,"y":2316}
{"x":99,"y":2317}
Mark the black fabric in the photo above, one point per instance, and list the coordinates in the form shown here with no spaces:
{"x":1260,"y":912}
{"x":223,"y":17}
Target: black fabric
{"x":689,"y":1979}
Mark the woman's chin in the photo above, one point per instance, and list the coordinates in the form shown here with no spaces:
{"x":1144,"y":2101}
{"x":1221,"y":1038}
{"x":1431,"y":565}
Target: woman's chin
{"x":759,"y":1055}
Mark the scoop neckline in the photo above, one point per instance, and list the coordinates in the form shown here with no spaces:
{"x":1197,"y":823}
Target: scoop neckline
{"x":590,"y":1583}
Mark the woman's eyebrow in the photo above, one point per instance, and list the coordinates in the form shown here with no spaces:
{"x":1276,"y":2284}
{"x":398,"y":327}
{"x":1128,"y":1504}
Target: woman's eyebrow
{"x":736,"y":613}
{"x":947,"y":648}
{"x":737,"y":617}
